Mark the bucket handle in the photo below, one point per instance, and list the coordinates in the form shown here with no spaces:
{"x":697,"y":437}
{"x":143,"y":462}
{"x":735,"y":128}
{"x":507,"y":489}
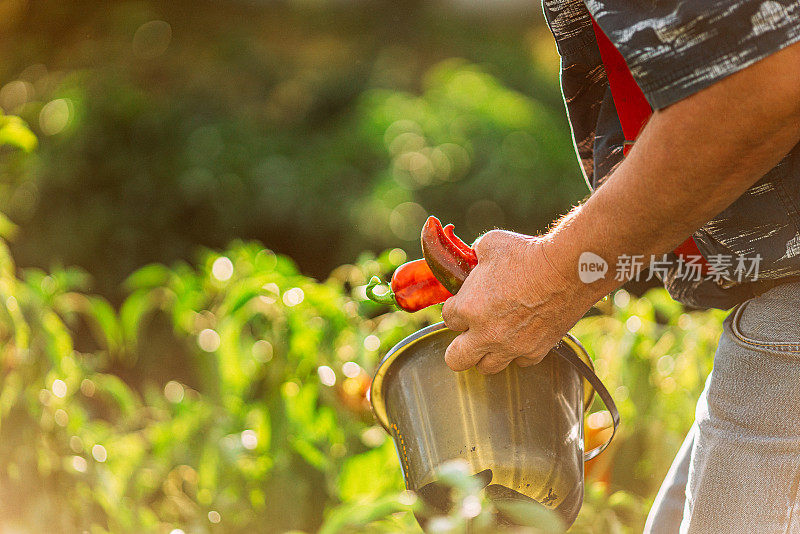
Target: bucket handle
{"x":586,"y":372}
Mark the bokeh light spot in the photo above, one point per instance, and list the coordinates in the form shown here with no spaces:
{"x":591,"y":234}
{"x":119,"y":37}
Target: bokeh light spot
{"x":59,"y":388}
{"x":599,"y":420}
{"x":222,"y":269}
{"x":54,"y":116}
{"x":371,"y":342}
{"x":291,"y":388}
{"x":249,"y":440}
{"x":208,"y":340}
{"x":87,"y":387}
{"x":399,"y":128}
{"x":441,"y":524}
{"x":293,"y":296}
{"x":668,"y":385}
{"x":484,"y":215}
{"x":79,"y":464}
{"x":471,"y":506}
{"x":373,"y":436}
{"x":327,"y":376}
{"x":15,"y":94}
{"x":262,"y":350}
{"x":406,"y":220}
{"x":174,"y":392}
{"x":76,"y":443}
{"x":406,"y":142}
{"x":214,"y":517}
{"x":633,"y":324}
{"x":351,"y":386}
{"x":266,"y":260}
{"x":152,"y":39}
{"x":352,"y":369}
{"x":459,"y":160}
{"x":441,"y":164}
{"x":665,"y":364}
{"x":397,"y":256}
{"x":621,"y":298}
{"x":271,"y":293}
{"x":61,"y":417}
{"x":413,"y":170}
{"x":99,"y":453}
{"x":407,"y":498}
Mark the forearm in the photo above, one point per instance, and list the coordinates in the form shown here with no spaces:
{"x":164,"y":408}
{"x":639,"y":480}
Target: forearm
{"x":694,"y":158}
{"x":691,"y":161}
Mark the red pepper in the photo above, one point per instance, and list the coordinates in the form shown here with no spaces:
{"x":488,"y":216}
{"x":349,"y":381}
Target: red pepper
{"x":421,"y":283}
{"x":465,"y":249}
{"x":449,"y":258}
{"x":413,"y":287}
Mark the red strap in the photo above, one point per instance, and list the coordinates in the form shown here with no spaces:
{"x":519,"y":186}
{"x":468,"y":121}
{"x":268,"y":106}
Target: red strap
{"x":632,"y":107}
{"x":688,"y":249}
{"x":633,"y":111}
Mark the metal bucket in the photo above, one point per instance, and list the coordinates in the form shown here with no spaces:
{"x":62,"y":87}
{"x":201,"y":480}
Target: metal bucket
{"x":520,"y":430}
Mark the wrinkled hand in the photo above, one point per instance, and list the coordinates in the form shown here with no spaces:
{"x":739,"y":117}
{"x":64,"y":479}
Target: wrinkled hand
{"x":513,"y":305}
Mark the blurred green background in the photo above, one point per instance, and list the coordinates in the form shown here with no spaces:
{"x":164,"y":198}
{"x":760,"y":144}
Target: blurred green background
{"x":194,"y":195}
{"x":320,"y":129}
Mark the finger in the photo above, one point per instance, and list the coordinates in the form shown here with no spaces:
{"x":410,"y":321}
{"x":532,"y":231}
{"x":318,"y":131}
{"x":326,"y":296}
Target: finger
{"x":452,"y":317}
{"x":528,"y":360}
{"x":491,"y":364}
{"x":462,"y":353}
{"x":486,"y":243}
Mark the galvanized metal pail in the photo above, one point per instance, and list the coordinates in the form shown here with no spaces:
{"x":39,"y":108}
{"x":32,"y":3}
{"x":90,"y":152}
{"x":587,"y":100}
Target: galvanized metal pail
{"x":520,"y":430}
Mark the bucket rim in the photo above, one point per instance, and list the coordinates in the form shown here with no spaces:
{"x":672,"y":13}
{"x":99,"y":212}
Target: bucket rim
{"x":378,"y":400}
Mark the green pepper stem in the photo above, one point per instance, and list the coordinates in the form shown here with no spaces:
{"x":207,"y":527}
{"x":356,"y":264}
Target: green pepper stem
{"x":385,"y":298}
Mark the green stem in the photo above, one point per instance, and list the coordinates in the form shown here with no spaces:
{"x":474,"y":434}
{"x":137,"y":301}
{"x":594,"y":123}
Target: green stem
{"x":385,"y":298}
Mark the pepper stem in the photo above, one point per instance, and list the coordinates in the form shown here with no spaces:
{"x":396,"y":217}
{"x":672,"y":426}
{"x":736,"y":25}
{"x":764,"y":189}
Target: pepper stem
{"x":385,"y":298}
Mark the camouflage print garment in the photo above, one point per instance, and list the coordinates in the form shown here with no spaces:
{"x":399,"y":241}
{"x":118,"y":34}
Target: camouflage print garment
{"x":674,"y":48}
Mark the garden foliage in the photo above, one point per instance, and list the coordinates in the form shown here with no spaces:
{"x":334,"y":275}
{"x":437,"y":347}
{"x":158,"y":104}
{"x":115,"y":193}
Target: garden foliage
{"x":226,"y":392}
{"x":220,"y":398}
{"x":318,"y":131}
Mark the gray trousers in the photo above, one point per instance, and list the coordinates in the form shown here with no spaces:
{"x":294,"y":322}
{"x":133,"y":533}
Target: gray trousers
{"x":738,"y":471}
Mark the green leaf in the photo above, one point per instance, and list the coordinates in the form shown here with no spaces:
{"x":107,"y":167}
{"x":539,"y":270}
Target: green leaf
{"x":106,"y":323}
{"x":118,"y":391}
{"x":531,"y":514}
{"x":100,"y":315}
{"x":15,"y":132}
{"x":354,"y":517}
{"x":370,"y":474}
{"x":136,"y":306}
{"x":147,"y":277}
{"x":7,"y":228}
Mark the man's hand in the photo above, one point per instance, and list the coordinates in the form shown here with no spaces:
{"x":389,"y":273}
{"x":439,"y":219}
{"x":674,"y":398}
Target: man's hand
{"x":513,"y":305}
{"x":692,"y":160}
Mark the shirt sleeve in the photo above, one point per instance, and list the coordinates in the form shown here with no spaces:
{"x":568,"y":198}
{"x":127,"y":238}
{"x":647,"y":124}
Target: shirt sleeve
{"x":675,"y":48}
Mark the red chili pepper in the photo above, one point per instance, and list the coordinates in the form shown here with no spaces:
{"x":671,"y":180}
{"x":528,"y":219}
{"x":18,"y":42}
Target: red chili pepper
{"x":413,"y":287}
{"x":421,"y":283}
{"x":465,"y":249}
{"x":449,"y":258}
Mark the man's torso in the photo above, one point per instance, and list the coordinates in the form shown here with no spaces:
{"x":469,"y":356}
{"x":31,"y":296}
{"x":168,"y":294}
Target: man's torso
{"x":674,"y":49}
